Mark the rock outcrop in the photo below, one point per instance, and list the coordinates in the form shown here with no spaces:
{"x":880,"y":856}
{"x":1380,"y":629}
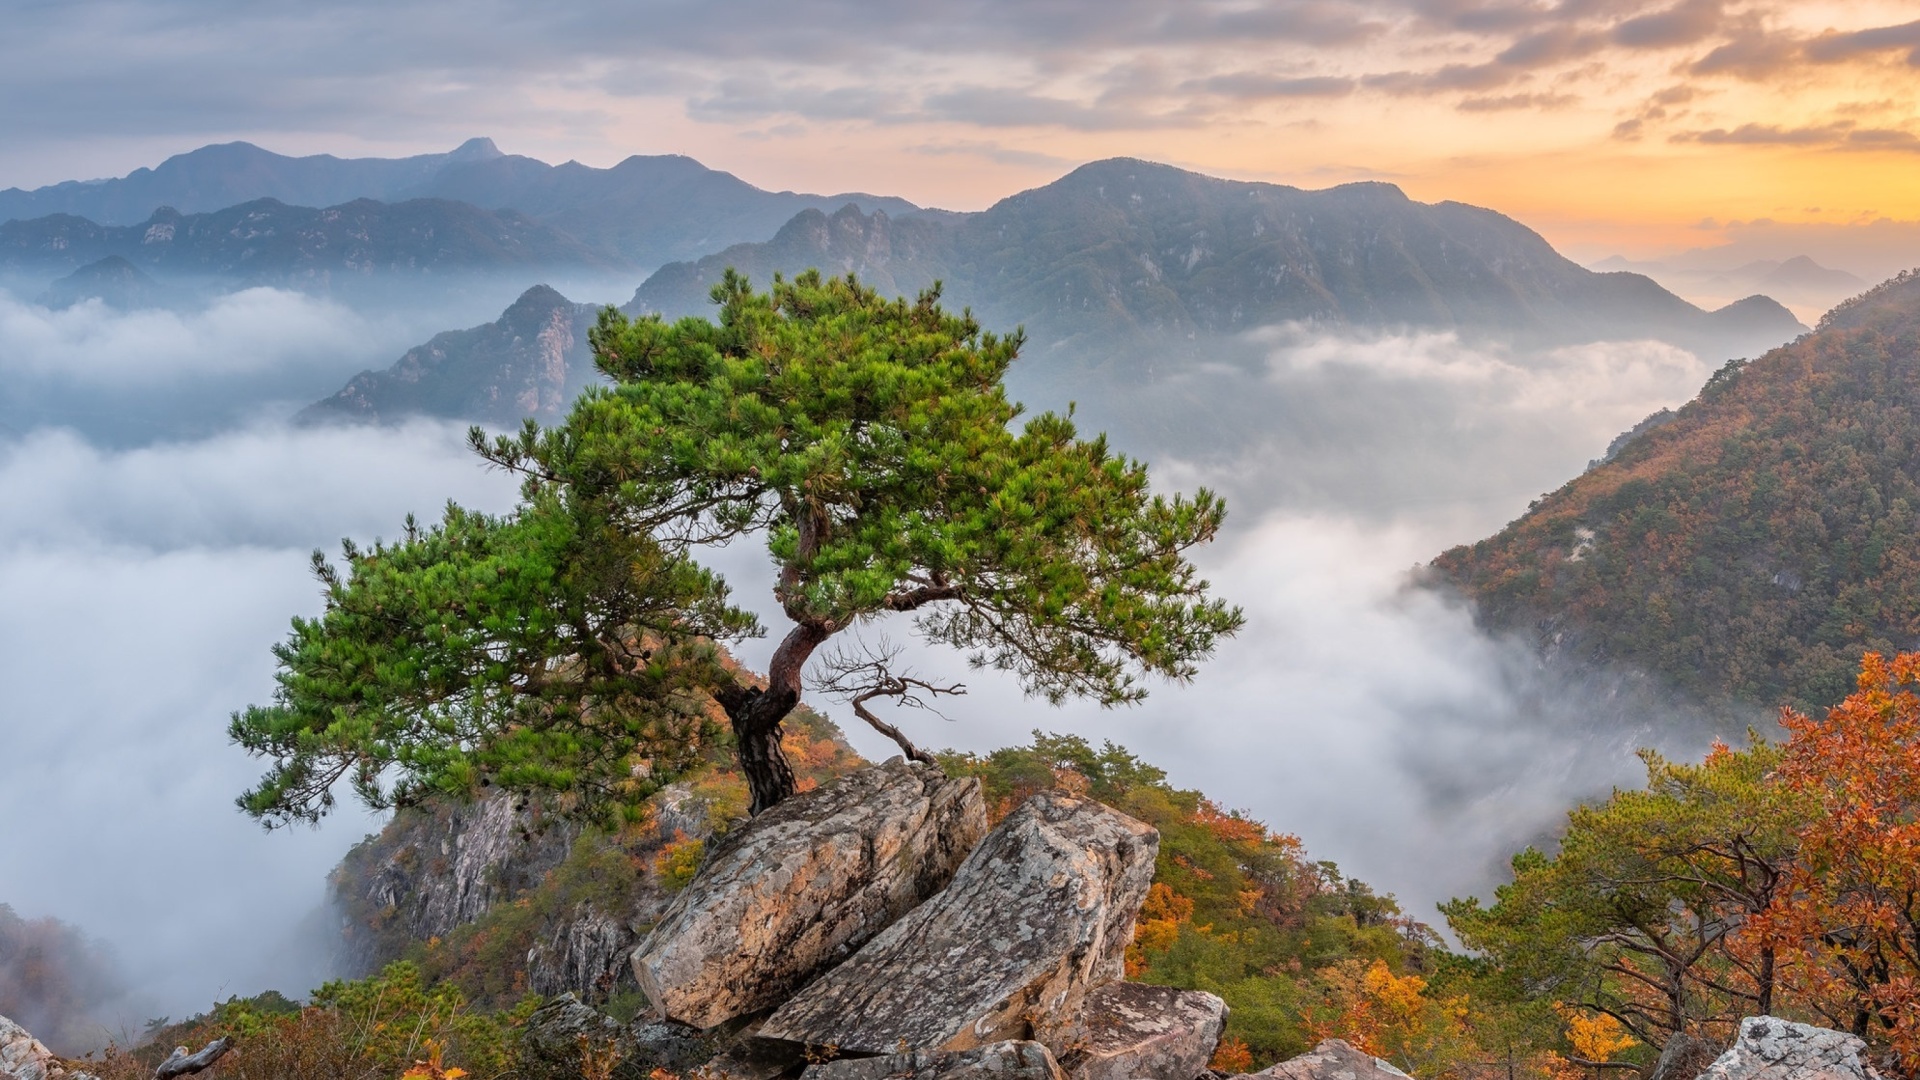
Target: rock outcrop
{"x":1770,"y":1048}
{"x":1126,"y":1030}
{"x":1684,"y":1057}
{"x":435,"y":870}
{"x":801,"y":887}
{"x":1038,"y":915}
{"x":1333,"y":1059}
{"x":566,"y":1039}
{"x":23,"y":1057}
{"x":995,"y":1061}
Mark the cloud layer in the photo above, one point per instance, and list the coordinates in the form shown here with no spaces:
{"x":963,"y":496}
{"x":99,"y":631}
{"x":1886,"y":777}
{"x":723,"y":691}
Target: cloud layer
{"x":143,"y":588}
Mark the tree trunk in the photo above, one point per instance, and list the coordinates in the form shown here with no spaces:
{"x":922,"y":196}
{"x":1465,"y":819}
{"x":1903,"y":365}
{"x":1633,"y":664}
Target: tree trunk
{"x":1766,"y":981}
{"x":756,"y":714}
{"x":756,"y":733}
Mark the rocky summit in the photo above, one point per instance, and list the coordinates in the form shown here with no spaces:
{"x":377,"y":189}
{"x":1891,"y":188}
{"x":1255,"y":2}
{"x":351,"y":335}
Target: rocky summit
{"x":799,"y":888}
{"x":1039,"y":914}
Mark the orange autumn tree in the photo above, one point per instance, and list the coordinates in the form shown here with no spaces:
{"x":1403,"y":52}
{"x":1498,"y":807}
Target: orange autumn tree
{"x":1394,"y":1017}
{"x":1848,"y":928}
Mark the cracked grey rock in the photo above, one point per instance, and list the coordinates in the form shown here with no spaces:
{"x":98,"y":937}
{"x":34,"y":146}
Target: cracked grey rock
{"x":1770,"y":1048}
{"x":1126,"y":1030}
{"x":798,"y":889}
{"x":1039,"y":915}
{"x":996,"y":1061}
{"x":23,"y":1057}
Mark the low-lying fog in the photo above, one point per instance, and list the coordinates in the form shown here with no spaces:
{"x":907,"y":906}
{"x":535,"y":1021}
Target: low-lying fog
{"x":145,"y":579}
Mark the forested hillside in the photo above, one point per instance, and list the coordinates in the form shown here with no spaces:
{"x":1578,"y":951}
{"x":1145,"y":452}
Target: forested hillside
{"x":1751,"y":547}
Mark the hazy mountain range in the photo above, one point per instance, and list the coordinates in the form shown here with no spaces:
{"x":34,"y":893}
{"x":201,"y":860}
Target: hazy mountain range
{"x":1125,"y":270}
{"x":645,"y":210}
{"x":1121,"y":248}
{"x":1798,"y":282}
{"x":268,"y":242}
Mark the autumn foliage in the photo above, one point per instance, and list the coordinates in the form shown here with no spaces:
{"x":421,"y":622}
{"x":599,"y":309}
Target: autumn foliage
{"x":1780,"y":878}
{"x":1848,"y":926}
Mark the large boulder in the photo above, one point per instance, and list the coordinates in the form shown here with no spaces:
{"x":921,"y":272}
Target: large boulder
{"x":797,"y":889}
{"x":1037,"y":916}
{"x":995,"y":1061}
{"x":1333,"y":1059}
{"x":1126,"y":1030}
{"x":23,"y":1057}
{"x":1770,"y":1048}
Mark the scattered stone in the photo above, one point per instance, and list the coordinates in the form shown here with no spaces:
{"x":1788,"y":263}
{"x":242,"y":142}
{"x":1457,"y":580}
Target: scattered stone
{"x":1037,"y":916}
{"x":996,"y":1061}
{"x":1684,"y":1057}
{"x":1333,"y":1059}
{"x":796,"y":890}
{"x":566,"y":1039}
{"x":23,"y":1057}
{"x":1770,"y":1048}
{"x":1126,"y":1030}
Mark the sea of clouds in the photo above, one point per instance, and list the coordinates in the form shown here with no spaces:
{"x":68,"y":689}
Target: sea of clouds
{"x":146,"y":579}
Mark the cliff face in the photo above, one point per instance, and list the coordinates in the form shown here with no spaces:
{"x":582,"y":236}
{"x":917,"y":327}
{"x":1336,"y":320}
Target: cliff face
{"x":433,"y":871}
{"x":532,"y":361}
{"x":505,"y":898}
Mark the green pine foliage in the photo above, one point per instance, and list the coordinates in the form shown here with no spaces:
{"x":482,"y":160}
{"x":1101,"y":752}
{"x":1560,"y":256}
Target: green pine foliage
{"x":543,"y":651}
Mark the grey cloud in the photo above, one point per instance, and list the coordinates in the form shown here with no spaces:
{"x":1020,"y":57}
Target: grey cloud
{"x":1551,"y":46}
{"x":757,"y":97}
{"x":992,"y":106}
{"x":1516,"y":101}
{"x":1253,"y":86}
{"x":1750,"y":55}
{"x":1833,"y":47}
{"x":1682,"y":24}
{"x":1449,"y":77}
{"x":1843,"y":134}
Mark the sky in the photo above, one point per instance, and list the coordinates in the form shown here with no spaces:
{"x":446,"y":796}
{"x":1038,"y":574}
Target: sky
{"x":1635,"y":126}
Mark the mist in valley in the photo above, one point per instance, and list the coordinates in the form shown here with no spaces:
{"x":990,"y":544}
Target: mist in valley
{"x":148,"y":577}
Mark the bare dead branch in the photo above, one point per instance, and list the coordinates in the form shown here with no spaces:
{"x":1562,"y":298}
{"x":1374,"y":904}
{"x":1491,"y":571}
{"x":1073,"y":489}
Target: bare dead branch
{"x":862,"y":676}
{"x":181,"y":1063}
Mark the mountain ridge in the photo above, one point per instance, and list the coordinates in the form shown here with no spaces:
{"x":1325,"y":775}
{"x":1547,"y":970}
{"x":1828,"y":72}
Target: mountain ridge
{"x":269,"y":242}
{"x":1148,"y":247}
{"x":648,"y":209}
{"x":1752,"y":546}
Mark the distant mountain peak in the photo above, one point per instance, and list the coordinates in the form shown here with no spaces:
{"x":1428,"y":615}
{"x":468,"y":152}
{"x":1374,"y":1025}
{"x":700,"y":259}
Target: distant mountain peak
{"x":477,"y":149}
